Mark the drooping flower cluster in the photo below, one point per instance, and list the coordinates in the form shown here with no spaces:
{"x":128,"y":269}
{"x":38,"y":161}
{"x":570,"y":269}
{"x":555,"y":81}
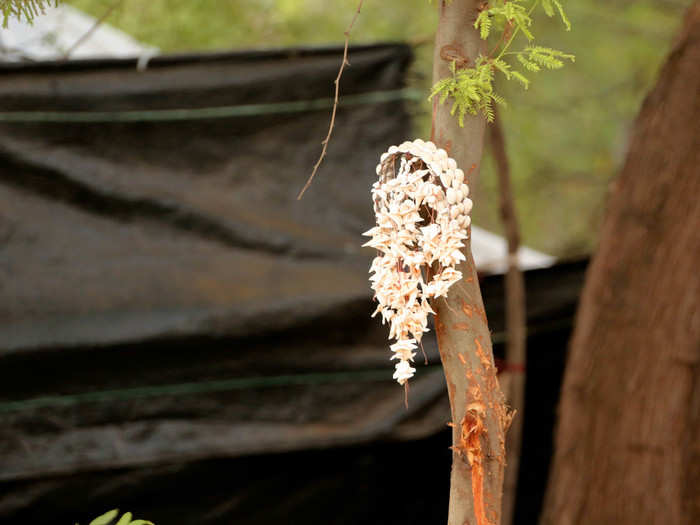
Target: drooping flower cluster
{"x":422,"y":212}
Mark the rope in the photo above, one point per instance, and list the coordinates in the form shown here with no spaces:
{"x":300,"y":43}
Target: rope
{"x":226,"y":385}
{"x":170,"y":115}
{"x":194,"y":388}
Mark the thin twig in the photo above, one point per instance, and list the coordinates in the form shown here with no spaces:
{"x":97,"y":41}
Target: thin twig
{"x":516,"y":324}
{"x":90,"y":31}
{"x":421,"y":40}
{"x":335,"y":101}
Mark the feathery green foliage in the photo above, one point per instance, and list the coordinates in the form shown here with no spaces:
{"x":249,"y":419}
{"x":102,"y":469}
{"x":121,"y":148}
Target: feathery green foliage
{"x":471,"y":89}
{"x":549,"y":5}
{"x":23,"y":9}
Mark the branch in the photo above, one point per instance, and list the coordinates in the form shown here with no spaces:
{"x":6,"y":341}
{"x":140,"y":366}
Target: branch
{"x":516,"y":323}
{"x":90,"y":31}
{"x":335,"y":101}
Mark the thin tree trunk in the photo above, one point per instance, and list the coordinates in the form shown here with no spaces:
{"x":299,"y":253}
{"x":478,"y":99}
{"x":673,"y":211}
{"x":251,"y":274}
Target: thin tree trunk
{"x":628,"y":441}
{"x":479,"y":416}
{"x":516,"y":324}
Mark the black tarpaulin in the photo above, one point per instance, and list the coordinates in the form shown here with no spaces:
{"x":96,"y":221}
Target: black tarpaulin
{"x":166,"y":302}
{"x":150,"y":265}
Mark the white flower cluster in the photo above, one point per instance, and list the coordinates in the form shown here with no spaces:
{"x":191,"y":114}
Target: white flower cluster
{"x":422,"y":211}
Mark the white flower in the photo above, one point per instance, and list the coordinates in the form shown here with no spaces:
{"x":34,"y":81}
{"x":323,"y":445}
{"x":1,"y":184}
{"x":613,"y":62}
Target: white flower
{"x":403,"y":350}
{"x":430,"y":232}
{"x":403,"y":372}
{"x":427,"y":187}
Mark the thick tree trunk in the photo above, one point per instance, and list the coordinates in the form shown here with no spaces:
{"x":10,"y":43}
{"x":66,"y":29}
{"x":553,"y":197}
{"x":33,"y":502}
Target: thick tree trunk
{"x":479,"y":416}
{"x":628,"y":441}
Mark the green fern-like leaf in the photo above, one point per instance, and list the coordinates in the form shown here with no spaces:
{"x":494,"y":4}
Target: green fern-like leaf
{"x":546,"y":57}
{"x":517,"y":75}
{"x":470,"y":89}
{"x":483,"y":24}
{"x":528,"y":64}
{"x":549,"y":5}
{"x":498,"y":99}
{"x":502,"y":66}
{"x":513,"y":12}
{"x":25,"y":10}
{"x":489,"y":112}
{"x":562,"y":14}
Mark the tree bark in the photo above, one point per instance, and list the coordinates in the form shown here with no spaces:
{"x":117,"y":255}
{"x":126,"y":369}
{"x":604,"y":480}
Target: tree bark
{"x":479,"y":416}
{"x":628,"y":441}
{"x":513,"y":376}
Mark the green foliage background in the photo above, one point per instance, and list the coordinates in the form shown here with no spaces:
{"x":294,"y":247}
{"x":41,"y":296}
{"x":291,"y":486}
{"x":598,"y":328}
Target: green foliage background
{"x":567,"y":134}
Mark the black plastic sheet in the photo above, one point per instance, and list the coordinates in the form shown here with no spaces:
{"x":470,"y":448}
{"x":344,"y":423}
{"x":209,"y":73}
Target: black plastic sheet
{"x":178,"y":334}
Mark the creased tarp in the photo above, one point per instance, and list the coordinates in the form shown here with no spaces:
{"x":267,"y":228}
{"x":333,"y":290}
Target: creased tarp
{"x":339,"y":485}
{"x":173,"y":254}
{"x":164,"y":297}
{"x":117,"y":232}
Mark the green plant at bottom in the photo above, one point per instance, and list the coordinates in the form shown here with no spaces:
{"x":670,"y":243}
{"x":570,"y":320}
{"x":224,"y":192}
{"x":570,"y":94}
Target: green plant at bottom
{"x":108,"y":519}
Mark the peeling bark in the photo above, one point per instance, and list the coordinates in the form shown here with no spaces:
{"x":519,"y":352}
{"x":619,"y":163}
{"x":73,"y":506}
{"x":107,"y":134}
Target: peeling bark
{"x":479,"y":416}
{"x":627,"y":443}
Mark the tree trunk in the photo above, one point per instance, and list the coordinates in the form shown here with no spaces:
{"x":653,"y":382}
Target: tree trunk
{"x":513,"y":376}
{"x":628,"y":441}
{"x":479,"y":417}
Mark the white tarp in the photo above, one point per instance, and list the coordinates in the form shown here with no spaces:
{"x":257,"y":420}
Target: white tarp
{"x":58,"y":30}
{"x":491,"y":253}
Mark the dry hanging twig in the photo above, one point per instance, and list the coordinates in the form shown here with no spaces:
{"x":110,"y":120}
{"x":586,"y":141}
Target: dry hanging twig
{"x":90,"y":31}
{"x":335,"y":101}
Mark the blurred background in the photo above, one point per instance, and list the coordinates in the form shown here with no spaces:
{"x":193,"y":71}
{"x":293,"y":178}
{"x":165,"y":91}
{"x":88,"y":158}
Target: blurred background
{"x":183,"y":339}
{"x":567,"y":135}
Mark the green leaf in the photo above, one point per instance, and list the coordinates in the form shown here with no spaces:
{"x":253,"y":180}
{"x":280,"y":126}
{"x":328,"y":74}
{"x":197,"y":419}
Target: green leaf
{"x":498,"y":99}
{"x":489,"y":113}
{"x":528,"y":64}
{"x":27,"y":9}
{"x":547,"y":6}
{"x":141,"y":522}
{"x":470,"y":90}
{"x":521,"y":78}
{"x":545,"y":57}
{"x":106,"y":518}
{"x":125,"y":519}
{"x":562,"y":14}
{"x":483,"y":23}
{"x":502,"y":66}
{"x":523,"y":27}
